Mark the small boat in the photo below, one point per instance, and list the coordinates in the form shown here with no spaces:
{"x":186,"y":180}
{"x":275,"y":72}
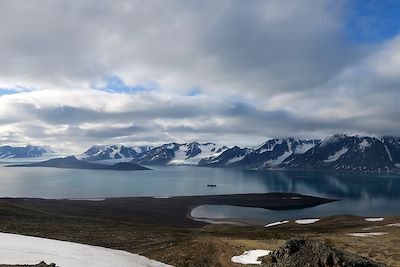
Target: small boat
{"x":211,"y":185}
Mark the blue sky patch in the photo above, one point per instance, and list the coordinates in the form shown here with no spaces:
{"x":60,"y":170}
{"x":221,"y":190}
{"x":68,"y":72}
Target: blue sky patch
{"x":194,"y":92}
{"x":115,"y":84}
{"x":373,"y":21}
{"x":13,"y":90}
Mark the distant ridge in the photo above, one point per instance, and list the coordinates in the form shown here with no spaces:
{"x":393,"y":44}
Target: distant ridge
{"x":8,"y":152}
{"x":72,"y":162}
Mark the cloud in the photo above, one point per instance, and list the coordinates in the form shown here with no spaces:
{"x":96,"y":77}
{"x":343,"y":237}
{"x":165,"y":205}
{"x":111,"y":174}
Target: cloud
{"x":266,"y":46}
{"x":232,"y":72}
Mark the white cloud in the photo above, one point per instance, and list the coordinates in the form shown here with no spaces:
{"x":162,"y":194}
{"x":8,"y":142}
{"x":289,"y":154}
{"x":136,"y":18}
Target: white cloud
{"x":263,"y":69}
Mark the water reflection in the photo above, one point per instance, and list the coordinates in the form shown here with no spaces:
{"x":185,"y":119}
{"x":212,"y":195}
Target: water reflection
{"x":362,"y":195}
{"x":359,"y":194}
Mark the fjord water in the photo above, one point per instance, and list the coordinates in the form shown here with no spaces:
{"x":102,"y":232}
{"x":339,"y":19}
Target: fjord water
{"x":365,"y":195}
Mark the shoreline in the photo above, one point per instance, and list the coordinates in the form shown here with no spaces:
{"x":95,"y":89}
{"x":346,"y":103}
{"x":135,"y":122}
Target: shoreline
{"x":171,"y":211}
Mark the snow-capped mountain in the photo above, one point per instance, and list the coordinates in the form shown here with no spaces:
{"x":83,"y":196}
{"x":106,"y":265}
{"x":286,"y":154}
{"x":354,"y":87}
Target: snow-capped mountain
{"x":269,"y":154}
{"x":338,"y":152}
{"x":171,"y":153}
{"x":180,"y":154}
{"x":8,"y":152}
{"x":113,"y":152}
{"x":344,"y":152}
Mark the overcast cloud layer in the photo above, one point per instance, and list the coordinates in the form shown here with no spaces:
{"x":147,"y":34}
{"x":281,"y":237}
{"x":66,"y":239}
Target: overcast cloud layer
{"x":77,"y":73}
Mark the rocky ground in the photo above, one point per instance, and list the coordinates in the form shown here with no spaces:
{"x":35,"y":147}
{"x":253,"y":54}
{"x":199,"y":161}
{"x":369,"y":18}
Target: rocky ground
{"x":41,"y":264}
{"x":303,"y":252}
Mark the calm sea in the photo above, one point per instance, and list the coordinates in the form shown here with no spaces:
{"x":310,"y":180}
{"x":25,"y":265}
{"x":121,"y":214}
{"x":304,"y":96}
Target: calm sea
{"x":359,"y":194}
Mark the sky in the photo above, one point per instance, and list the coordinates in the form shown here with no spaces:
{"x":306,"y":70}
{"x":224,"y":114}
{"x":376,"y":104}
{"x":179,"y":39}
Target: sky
{"x":233,"y":72}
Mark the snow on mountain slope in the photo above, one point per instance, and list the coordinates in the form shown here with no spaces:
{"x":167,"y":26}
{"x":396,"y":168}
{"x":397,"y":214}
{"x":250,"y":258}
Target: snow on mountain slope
{"x":337,"y":152}
{"x":345,"y":152}
{"x":227,"y":158}
{"x":337,"y":155}
{"x":180,"y":154}
{"x":191,"y":154}
{"x":8,"y":152}
{"x":281,"y":158}
{"x":269,"y":154}
{"x":392,"y":147}
{"x":20,"y":249}
{"x":275,"y":151}
{"x":113,"y":152}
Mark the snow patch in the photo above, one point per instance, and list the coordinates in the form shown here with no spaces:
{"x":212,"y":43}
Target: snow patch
{"x":88,"y":199}
{"x":364,"y":144}
{"x":367,"y":234}
{"x":20,"y":249}
{"x":180,"y":156}
{"x":369,"y":228}
{"x":388,"y":153}
{"x":235,"y":159}
{"x":303,"y":148}
{"x":393,"y":225}
{"x":337,"y":155}
{"x":281,"y":158}
{"x":380,"y":219}
{"x":276,"y":223}
{"x":306,"y":221}
{"x":170,"y":146}
{"x":250,"y":256}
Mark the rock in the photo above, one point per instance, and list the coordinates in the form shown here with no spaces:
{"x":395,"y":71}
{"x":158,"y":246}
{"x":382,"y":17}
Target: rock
{"x":41,"y":264}
{"x":302,"y":252}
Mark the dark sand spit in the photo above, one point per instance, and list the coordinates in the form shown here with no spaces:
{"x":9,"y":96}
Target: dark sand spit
{"x":173,"y":211}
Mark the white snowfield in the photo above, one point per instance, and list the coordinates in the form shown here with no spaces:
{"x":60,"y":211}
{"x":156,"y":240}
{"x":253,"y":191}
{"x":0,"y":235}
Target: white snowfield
{"x":337,"y":155}
{"x":306,"y":221}
{"x":250,"y":256}
{"x":367,"y":234}
{"x":380,"y":219}
{"x":20,"y":249}
{"x":276,"y":223}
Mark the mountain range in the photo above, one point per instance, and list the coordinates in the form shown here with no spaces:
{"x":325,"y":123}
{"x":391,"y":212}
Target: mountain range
{"x":337,"y":152}
{"x":167,"y":154}
{"x":272,"y":153}
{"x":113,"y":152}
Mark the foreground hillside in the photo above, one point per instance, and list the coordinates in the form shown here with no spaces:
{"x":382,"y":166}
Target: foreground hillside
{"x":209,"y":246}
